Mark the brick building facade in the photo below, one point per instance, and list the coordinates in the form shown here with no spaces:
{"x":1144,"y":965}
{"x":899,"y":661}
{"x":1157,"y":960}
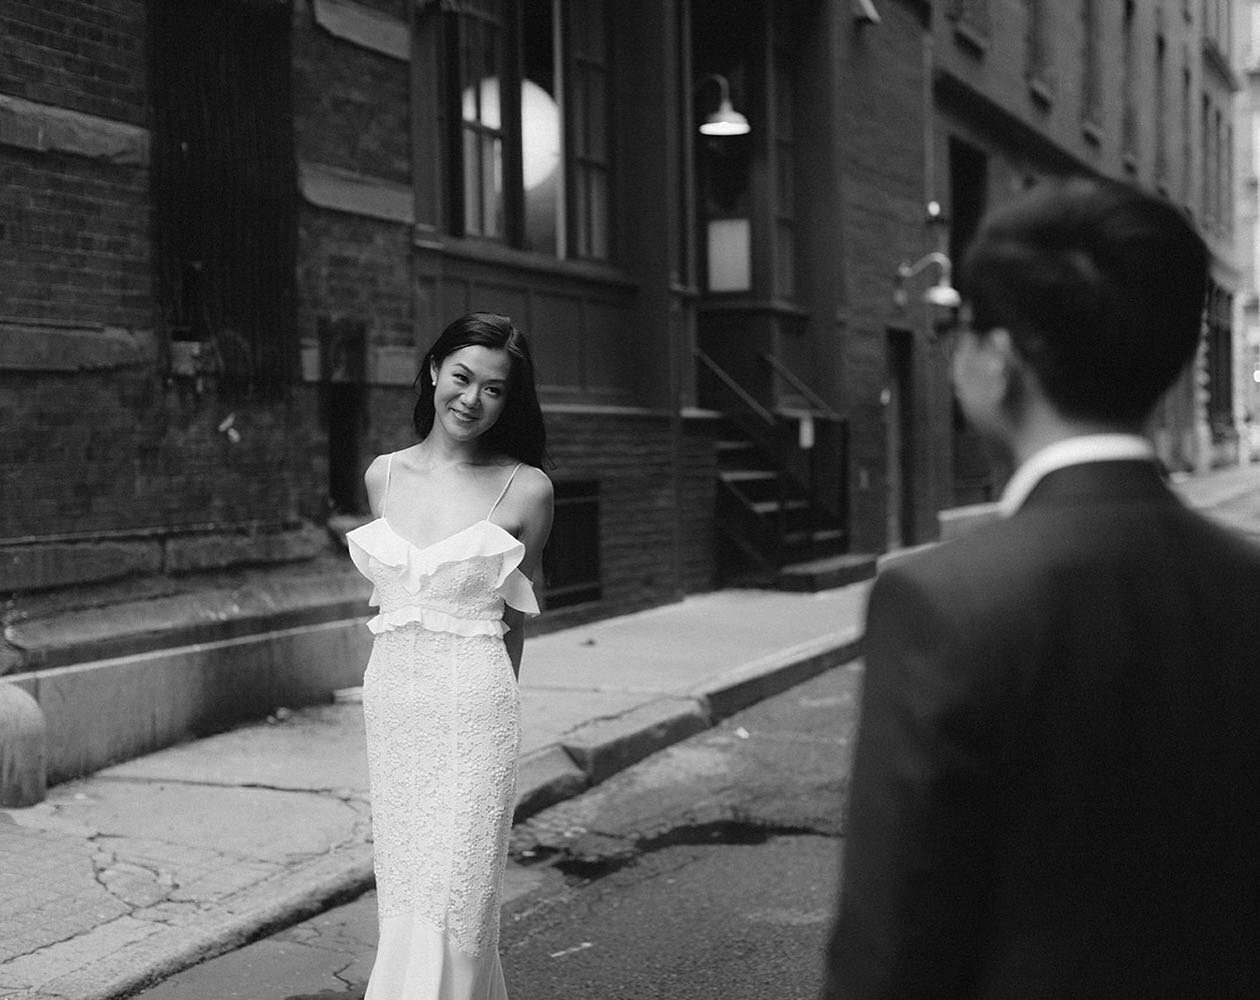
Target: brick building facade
{"x":229,"y":230}
{"x":1139,"y":90}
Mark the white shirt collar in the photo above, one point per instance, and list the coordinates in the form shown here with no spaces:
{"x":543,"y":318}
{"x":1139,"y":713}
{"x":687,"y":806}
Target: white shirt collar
{"x":1071,"y":451}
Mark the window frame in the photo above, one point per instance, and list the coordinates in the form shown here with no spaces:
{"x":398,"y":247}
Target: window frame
{"x":573,"y":215}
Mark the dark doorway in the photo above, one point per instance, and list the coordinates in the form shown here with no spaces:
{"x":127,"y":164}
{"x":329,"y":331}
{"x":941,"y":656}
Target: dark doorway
{"x":342,"y":346}
{"x":899,"y":428}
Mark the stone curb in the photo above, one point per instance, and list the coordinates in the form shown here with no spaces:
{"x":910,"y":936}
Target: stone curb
{"x":589,"y":755}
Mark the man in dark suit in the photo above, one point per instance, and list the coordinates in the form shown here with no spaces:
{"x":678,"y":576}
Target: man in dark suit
{"x":1057,"y":776}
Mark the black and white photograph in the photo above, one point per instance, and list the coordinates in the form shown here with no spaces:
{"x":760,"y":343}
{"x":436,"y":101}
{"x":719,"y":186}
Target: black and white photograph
{"x":629,"y":499}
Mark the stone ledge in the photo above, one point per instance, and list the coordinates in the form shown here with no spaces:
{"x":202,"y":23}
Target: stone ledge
{"x":30,"y":345}
{"x":47,"y":128}
{"x":45,"y":565}
{"x":104,"y":712}
{"x":201,"y":615}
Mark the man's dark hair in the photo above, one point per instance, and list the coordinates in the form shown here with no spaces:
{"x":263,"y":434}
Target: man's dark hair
{"x":1101,"y":287}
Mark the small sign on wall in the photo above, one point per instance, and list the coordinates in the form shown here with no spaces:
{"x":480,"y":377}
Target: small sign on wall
{"x":729,"y":267}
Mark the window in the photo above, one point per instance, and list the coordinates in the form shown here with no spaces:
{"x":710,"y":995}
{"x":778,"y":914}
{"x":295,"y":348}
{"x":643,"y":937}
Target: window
{"x":784,"y":187}
{"x":528,"y":153}
{"x":571,"y":558}
{"x":1161,"y":110}
{"x":1039,"y":52}
{"x":1091,"y":63}
{"x":1219,"y":362}
{"x":971,"y":15}
{"x":588,"y":122}
{"x":1128,"y":131}
{"x":1187,"y":144}
{"x":1207,"y":195}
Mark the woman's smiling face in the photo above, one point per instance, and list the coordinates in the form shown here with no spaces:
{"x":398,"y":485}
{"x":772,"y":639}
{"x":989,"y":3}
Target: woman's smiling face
{"x":471,"y":390}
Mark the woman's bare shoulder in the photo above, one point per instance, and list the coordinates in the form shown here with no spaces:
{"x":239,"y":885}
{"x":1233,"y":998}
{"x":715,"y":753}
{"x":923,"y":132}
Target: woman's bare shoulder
{"x":534,"y":483}
{"x":376,"y":469}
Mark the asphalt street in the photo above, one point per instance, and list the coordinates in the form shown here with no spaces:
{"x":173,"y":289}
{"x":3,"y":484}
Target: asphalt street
{"x":707,"y":870}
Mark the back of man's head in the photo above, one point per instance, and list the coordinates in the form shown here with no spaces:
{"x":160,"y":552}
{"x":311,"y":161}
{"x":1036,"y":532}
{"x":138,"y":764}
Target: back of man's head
{"x":1101,"y":287}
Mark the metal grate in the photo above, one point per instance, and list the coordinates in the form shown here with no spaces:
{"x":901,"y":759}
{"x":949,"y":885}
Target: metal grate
{"x":224,"y":182}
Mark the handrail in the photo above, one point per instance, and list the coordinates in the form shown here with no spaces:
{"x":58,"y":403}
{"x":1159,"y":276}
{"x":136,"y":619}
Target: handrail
{"x":795,"y":381}
{"x":744,"y":397}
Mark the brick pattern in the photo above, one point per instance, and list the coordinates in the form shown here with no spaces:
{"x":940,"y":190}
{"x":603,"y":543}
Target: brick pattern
{"x":351,"y":106}
{"x":357,"y":269}
{"x":632,"y":459}
{"x":882,"y":210}
{"x":85,"y":55}
{"x":150,"y":456}
{"x":74,"y":240}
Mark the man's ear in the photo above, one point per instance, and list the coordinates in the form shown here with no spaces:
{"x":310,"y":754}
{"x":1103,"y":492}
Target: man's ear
{"x":1005,"y":364}
{"x":999,"y":350}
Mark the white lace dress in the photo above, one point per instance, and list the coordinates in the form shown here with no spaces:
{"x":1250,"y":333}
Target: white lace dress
{"x":443,"y":732}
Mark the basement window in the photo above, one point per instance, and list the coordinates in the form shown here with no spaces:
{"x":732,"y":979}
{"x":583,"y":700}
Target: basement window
{"x":571,"y":559}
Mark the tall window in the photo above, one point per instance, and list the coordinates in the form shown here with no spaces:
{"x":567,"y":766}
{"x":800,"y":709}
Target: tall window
{"x":528,"y":152}
{"x":1186,"y":141}
{"x":1161,"y":111}
{"x":1039,"y":53}
{"x":1128,"y":129}
{"x":1219,"y":361}
{"x":477,"y":55}
{"x":588,"y":125}
{"x":971,"y":14}
{"x":784,"y":176}
{"x":1091,"y":68}
{"x":1207,"y":150}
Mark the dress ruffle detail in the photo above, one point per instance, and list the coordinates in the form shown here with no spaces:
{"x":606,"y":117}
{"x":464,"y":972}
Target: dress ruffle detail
{"x":436,"y":621}
{"x":377,"y":541}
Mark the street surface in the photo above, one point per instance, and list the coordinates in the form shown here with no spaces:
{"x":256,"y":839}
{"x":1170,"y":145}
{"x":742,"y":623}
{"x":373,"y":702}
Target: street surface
{"x":708,"y":870}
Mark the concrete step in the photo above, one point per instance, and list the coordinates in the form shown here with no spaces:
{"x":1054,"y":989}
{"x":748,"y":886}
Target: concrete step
{"x":747,"y":475}
{"x":772,"y":506}
{"x":825,"y":574}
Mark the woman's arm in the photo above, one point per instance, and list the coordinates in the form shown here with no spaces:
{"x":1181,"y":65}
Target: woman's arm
{"x":539,"y":508}
{"x":374,"y":479}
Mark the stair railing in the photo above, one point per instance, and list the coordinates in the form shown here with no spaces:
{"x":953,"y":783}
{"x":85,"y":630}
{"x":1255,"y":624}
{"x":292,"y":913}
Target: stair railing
{"x":771,"y":424}
{"x":819,"y":408}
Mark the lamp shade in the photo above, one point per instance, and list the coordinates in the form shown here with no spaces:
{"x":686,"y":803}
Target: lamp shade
{"x":725,"y":121}
{"x":943,"y":294}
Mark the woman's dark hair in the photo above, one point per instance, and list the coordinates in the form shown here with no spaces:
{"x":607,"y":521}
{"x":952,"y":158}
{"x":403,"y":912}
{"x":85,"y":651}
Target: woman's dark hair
{"x":1101,"y":287}
{"x":519,"y":431}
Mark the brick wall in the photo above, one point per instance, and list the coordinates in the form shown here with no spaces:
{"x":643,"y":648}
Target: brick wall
{"x":104,"y":456}
{"x":74,"y":240}
{"x":351,"y":105}
{"x":74,"y":230}
{"x":882,"y":210}
{"x":85,"y":55}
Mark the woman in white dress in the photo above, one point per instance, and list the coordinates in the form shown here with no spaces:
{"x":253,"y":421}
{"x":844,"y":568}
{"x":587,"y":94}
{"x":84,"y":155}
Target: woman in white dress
{"x":461,"y":521}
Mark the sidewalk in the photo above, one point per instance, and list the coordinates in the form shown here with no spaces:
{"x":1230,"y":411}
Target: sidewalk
{"x":144,"y":868}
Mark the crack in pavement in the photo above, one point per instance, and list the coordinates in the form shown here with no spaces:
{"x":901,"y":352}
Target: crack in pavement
{"x":337,"y":791}
{"x":592,"y":854}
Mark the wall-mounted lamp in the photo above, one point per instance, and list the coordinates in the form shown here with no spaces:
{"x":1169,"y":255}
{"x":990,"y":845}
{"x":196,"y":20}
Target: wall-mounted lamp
{"x":864,"y":12}
{"x":942,"y":293}
{"x":725,"y":120}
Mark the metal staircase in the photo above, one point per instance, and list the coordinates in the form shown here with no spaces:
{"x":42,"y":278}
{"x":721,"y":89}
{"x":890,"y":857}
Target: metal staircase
{"x":781,"y":511}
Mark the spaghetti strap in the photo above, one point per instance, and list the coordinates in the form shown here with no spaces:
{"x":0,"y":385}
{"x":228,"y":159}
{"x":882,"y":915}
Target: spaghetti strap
{"x":389,"y":468}
{"x":503,"y":492}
